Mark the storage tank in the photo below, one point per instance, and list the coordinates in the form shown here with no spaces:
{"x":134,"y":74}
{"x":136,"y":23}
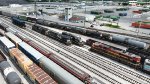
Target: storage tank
{"x":9,"y":74}
{"x":136,"y":43}
{"x":58,"y":73}
{"x":118,"y":38}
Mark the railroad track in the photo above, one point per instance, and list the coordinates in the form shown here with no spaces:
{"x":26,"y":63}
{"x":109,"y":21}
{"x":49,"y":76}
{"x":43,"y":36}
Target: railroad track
{"x":83,"y":56}
{"x":101,"y":63}
{"x":100,"y":74}
{"x":105,"y":31}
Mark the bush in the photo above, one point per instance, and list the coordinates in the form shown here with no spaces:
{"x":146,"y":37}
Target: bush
{"x":112,"y":26}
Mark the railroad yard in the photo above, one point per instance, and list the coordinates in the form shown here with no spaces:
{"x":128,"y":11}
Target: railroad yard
{"x":98,"y":44}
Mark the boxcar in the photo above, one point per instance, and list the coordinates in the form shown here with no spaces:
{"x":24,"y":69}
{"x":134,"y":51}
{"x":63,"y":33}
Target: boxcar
{"x":6,"y":44}
{"x":13,"y":38}
{"x":3,"y":26}
{"x":35,"y":73}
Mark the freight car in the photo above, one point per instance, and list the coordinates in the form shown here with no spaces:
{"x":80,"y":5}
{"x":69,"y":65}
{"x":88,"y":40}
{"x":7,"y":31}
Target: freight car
{"x":2,"y":32}
{"x":57,"y":36}
{"x":52,"y":34}
{"x":13,"y":38}
{"x":3,"y":26}
{"x":122,"y":14}
{"x":124,"y":57}
{"x":6,"y":44}
{"x":18,"y":22}
{"x":93,"y":33}
{"x":35,"y":73}
{"x":141,"y":24}
{"x":138,"y":12}
{"x":96,"y":81}
{"x":108,"y":11}
{"x":58,"y":73}
{"x":75,"y":39}
{"x":47,"y":65}
{"x":31,"y":19}
{"x":39,"y":29}
{"x":122,"y":9}
{"x":9,"y":74}
{"x":83,"y":76}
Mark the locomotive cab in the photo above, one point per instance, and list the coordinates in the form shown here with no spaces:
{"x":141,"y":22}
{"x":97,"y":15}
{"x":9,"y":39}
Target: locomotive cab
{"x":146,"y":65}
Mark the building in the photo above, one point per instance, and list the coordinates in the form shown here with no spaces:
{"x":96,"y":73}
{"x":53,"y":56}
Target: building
{"x":68,"y":13}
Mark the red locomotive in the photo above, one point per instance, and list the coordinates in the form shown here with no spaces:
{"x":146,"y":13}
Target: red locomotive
{"x":121,"y":56}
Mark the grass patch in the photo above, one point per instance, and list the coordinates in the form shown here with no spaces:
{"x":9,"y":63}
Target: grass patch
{"x":112,"y":26}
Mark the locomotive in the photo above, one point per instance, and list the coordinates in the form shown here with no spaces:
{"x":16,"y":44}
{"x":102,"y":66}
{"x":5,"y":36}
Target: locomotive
{"x":121,"y":55}
{"x":18,"y":22}
{"x":75,"y":39}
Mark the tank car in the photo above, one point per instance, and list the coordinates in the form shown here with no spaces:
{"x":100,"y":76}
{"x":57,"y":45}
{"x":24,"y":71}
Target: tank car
{"x":93,"y":33}
{"x":118,"y":38}
{"x":9,"y":73}
{"x":40,"y":21}
{"x":105,"y":36}
{"x":138,"y":44}
{"x":62,"y":38}
{"x":39,"y":29}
